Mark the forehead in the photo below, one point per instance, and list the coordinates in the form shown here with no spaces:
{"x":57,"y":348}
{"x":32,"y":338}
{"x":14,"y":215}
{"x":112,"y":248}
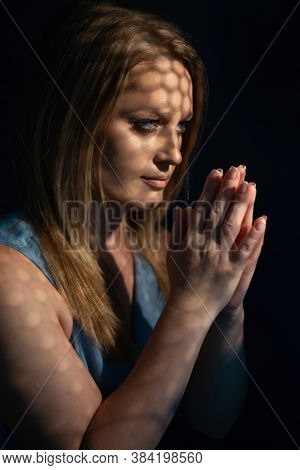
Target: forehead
{"x":163,"y":82}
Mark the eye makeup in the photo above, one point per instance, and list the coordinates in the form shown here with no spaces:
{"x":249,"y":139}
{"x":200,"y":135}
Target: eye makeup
{"x":150,"y":125}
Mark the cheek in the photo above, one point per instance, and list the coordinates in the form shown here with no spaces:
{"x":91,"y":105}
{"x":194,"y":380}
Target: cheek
{"x":127,"y":154}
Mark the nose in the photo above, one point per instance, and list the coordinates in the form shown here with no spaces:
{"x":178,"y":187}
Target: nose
{"x":170,"y":151}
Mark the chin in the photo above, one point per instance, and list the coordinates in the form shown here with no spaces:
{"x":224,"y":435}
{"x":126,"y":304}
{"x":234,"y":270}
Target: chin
{"x":141,"y":204}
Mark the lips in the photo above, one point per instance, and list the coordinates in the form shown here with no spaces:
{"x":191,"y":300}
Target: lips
{"x":155,"y":183}
{"x":157,"y":177}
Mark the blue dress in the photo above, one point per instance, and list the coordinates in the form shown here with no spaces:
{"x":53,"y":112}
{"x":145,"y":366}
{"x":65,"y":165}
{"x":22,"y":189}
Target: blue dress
{"x":148,"y":304}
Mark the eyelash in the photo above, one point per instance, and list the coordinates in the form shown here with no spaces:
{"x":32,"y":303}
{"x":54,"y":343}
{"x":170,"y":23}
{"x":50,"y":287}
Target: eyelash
{"x":139,"y":125}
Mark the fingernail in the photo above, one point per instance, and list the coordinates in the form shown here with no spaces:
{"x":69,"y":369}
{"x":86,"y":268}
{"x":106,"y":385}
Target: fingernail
{"x":253,"y":184}
{"x":232,"y":173}
{"x":217,"y":172}
{"x":243,"y":187}
{"x":243,"y":166}
{"x":261,"y":224}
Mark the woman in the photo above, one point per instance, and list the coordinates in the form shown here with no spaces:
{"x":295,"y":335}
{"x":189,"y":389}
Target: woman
{"x":103,"y":314}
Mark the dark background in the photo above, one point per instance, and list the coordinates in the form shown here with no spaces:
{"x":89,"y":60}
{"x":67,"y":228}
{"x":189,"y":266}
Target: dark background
{"x":260,"y":131}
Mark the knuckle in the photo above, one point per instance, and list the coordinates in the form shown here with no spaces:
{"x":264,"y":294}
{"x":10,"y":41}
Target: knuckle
{"x":229,"y":226}
{"x":240,"y":199}
{"x":226,"y":229}
{"x":228,"y":191}
{"x":218,"y":207}
{"x":247,"y":246}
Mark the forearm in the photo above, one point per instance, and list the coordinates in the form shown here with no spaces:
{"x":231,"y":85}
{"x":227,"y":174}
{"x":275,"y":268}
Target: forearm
{"x":217,"y":387}
{"x":137,"y":414}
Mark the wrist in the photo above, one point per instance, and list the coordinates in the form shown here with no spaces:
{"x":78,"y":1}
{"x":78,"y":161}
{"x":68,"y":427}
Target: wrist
{"x":232,"y":315}
{"x":193,"y":305}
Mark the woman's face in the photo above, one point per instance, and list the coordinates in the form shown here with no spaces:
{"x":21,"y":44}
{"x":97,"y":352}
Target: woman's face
{"x":145,"y":134}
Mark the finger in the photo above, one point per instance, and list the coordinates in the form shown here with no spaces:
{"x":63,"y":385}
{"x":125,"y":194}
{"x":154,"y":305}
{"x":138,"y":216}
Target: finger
{"x":230,"y":228}
{"x":248,"y":219}
{"x":225,"y":195}
{"x":203,"y":205}
{"x":211,"y":184}
{"x":246,"y":277}
{"x":249,"y":270}
{"x":248,"y":245}
{"x":246,"y":225}
{"x":257,"y":250}
{"x":209,"y":193}
{"x":243,"y":285}
{"x":242,"y":172}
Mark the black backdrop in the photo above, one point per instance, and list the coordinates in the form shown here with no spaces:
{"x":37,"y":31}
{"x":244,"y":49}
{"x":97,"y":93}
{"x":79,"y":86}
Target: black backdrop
{"x":253,"y":118}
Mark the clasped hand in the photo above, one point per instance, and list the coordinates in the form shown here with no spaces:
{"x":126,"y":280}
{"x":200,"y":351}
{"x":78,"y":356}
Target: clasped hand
{"x":222,"y":219}
{"x":235,"y":304}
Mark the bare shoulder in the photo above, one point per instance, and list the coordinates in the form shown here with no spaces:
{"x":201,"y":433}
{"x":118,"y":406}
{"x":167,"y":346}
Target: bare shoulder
{"x":46,"y":391}
{"x":22,"y":279}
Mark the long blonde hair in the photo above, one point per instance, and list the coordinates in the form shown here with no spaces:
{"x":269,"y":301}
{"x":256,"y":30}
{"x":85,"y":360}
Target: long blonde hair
{"x":89,"y":52}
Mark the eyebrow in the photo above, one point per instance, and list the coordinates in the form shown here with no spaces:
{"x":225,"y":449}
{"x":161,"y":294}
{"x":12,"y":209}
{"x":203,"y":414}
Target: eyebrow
{"x":156,"y":111}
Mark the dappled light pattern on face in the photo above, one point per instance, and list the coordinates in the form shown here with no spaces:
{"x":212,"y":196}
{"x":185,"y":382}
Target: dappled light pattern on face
{"x":170,"y":81}
{"x":145,"y":135}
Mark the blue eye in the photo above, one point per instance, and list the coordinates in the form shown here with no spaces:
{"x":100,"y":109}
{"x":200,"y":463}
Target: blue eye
{"x":145,"y":124}
{"x":184,"y":124}
{"x":149,"y":125}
